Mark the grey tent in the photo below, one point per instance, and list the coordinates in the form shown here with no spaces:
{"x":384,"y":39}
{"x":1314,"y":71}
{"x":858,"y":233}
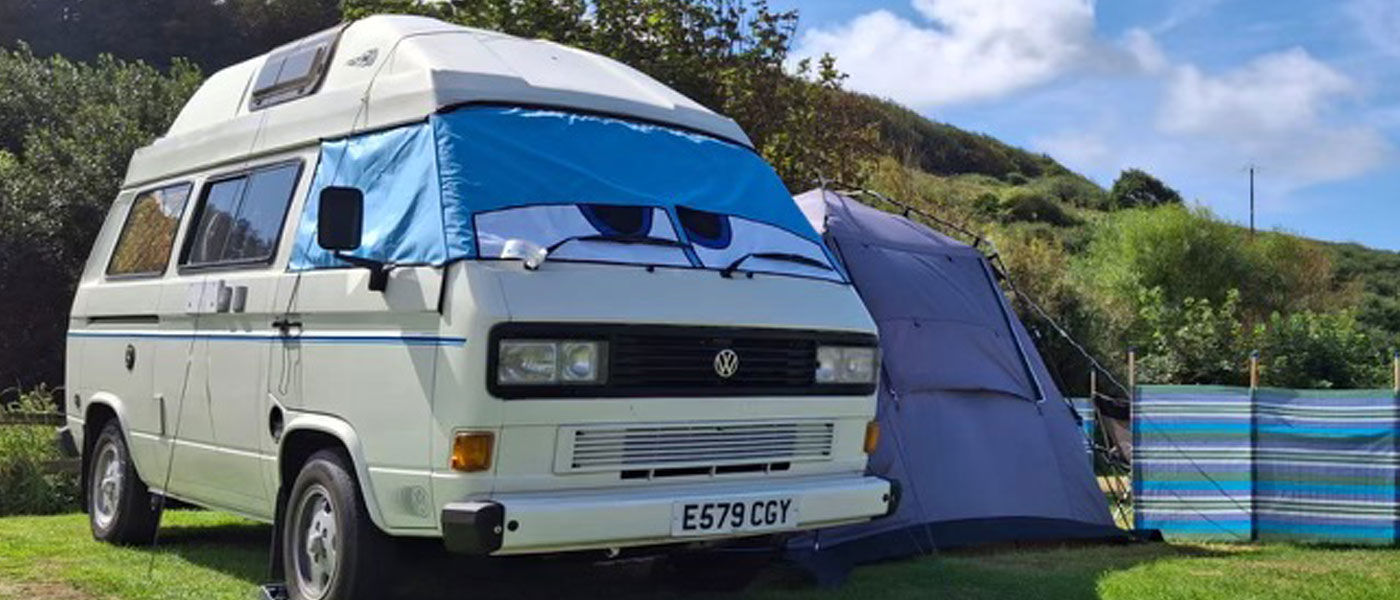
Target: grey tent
{"x":983,"y":445}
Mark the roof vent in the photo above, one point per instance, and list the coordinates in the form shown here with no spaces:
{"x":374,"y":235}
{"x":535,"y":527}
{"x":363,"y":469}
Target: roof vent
{"x":295,"y":70}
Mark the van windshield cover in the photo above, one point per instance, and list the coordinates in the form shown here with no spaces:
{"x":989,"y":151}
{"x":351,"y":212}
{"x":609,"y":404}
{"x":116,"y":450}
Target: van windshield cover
{"x":465,"y":183}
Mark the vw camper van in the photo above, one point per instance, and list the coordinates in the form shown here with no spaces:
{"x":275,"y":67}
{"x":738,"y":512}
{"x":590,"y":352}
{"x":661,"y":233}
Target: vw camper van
{"x":403,"y":279}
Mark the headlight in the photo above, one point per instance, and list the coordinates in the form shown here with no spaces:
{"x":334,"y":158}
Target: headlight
{"x":579,"y":362}
{"x":847,"y":364}
{"x":551,"y":362}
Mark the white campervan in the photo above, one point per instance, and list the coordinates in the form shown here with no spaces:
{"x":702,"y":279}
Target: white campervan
{"x":408,"y":279}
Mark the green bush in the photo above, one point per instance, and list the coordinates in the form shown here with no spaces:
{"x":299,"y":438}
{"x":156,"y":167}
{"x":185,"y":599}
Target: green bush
{"x":29,"y":483}
{"x":987,"y":206}
{"x":1308,"y":350}
{"x":1073,"y":190}
{"x":1135,"y":188}
{"x":1198,"y":341}
{"x":1034,"y":207}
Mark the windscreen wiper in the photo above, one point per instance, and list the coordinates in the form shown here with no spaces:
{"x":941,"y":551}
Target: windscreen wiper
{"x":728,"y":271}
{"x":645,"y":240}
{"x":534,"y":255}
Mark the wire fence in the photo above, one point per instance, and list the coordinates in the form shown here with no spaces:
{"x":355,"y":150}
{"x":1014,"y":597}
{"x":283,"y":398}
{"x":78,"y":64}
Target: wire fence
{"x":19,"y":419}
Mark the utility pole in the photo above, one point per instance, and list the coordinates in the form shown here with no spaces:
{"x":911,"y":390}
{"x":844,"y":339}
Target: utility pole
{"x":1251,"y":168}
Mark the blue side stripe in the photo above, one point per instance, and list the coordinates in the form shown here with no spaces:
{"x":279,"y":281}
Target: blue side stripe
{"x":410,"y":340}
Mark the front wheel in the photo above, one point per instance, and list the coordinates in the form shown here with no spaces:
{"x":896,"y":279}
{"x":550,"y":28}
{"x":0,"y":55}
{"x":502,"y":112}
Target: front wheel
{"x":120,"y":510}
{"x":330,"y":548}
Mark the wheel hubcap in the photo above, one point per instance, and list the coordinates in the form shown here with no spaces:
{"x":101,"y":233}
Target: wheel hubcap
{"x":318,"y":543}
{"x":108,"y":493}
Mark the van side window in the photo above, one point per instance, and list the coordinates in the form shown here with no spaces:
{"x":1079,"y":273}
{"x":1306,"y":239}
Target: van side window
{"x":240,"y":220}
{"x":143,"y":247}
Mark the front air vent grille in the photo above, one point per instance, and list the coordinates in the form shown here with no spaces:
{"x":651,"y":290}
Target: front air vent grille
{"x":695,"y":449}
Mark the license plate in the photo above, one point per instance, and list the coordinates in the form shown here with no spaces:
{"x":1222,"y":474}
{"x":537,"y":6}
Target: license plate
{"x":716,"y":517}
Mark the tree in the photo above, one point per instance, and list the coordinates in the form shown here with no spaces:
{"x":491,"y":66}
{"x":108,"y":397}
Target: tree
{"x":1320,"y":351}
{"x":1194,"y":341}
{"x":1137,"y":189}
{"x":211,"y":33}
{"x":1200,"y":342}
{"x":729,"y":55}
{"x":67,"y":131}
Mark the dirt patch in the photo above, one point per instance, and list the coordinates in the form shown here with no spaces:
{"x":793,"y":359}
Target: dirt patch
{"x":42,"y":591}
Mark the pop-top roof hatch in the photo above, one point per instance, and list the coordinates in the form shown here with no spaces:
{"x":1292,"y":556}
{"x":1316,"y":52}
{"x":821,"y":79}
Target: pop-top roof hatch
{"x":295,"y":70}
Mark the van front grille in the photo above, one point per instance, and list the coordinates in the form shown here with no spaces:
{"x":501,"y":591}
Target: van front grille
{"x":678,"y":361}
{"x":708,"y":448}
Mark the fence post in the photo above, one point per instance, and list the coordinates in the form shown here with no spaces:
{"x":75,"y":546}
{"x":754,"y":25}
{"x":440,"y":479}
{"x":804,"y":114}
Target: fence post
{"x":1132,"y":371}
{"x":1395,"y":444}
{"x":1254,"y":533}
{"x":1395,"y":366}
{"x":1254,"y":370}
{"x":1134,"y":473}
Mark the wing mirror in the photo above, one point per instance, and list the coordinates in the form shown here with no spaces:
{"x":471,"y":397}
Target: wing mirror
{"x":340,"y":223}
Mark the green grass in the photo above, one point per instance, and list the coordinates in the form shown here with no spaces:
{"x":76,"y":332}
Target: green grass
{"x":209,"y":555}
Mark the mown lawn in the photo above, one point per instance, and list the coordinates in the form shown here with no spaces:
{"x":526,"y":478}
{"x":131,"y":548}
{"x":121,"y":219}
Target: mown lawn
{"x":209,"y":555}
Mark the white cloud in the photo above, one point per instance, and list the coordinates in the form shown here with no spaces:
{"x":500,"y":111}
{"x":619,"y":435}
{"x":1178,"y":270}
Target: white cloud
{"x":970,"y":50}
{"x":1124,"y":102}
{"x":1379,"y":23}
{"x":1184,"y":12}
{"x":1277,"y":110}
{"x":1087,"y":152}
{"x":1272,"y":93}
{"x":1145,"y":52}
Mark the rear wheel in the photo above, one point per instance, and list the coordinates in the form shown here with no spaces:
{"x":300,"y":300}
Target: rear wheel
{"x":120,"y":510}
{"x":330,"y":548}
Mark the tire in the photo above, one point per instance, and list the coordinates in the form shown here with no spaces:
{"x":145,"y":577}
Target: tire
{"x":120,"y":507}
{"x":330,"y":548}
{"x":722,"y":570}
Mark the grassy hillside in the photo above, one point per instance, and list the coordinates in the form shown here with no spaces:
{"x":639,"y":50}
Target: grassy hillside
{"x":1378,"y":272}
{"x":1325,"y":314}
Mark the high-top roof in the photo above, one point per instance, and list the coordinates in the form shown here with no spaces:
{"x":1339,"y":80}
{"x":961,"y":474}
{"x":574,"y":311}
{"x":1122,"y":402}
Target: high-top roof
{"x":388,"y":70}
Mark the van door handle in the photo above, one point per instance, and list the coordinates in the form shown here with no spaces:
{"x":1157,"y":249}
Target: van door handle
{"x":284,"y":326}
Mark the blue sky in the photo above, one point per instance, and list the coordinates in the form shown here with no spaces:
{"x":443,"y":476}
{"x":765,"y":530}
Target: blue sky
{"x":1193,"y":91}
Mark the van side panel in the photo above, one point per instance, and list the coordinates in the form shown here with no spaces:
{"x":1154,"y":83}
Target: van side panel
{"x":110,"y":356}
{"x":370,"y":359}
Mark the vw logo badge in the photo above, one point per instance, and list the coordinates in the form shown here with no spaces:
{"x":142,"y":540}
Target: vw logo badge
{"x":726,"y":363}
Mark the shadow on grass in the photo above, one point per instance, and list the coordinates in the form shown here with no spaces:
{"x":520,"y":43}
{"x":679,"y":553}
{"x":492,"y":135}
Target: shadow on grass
{"x":238,"y":550}
{"x":425,"y":572}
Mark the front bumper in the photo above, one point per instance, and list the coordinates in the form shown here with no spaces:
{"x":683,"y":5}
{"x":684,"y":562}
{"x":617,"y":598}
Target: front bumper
{"x":530,"y":523}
